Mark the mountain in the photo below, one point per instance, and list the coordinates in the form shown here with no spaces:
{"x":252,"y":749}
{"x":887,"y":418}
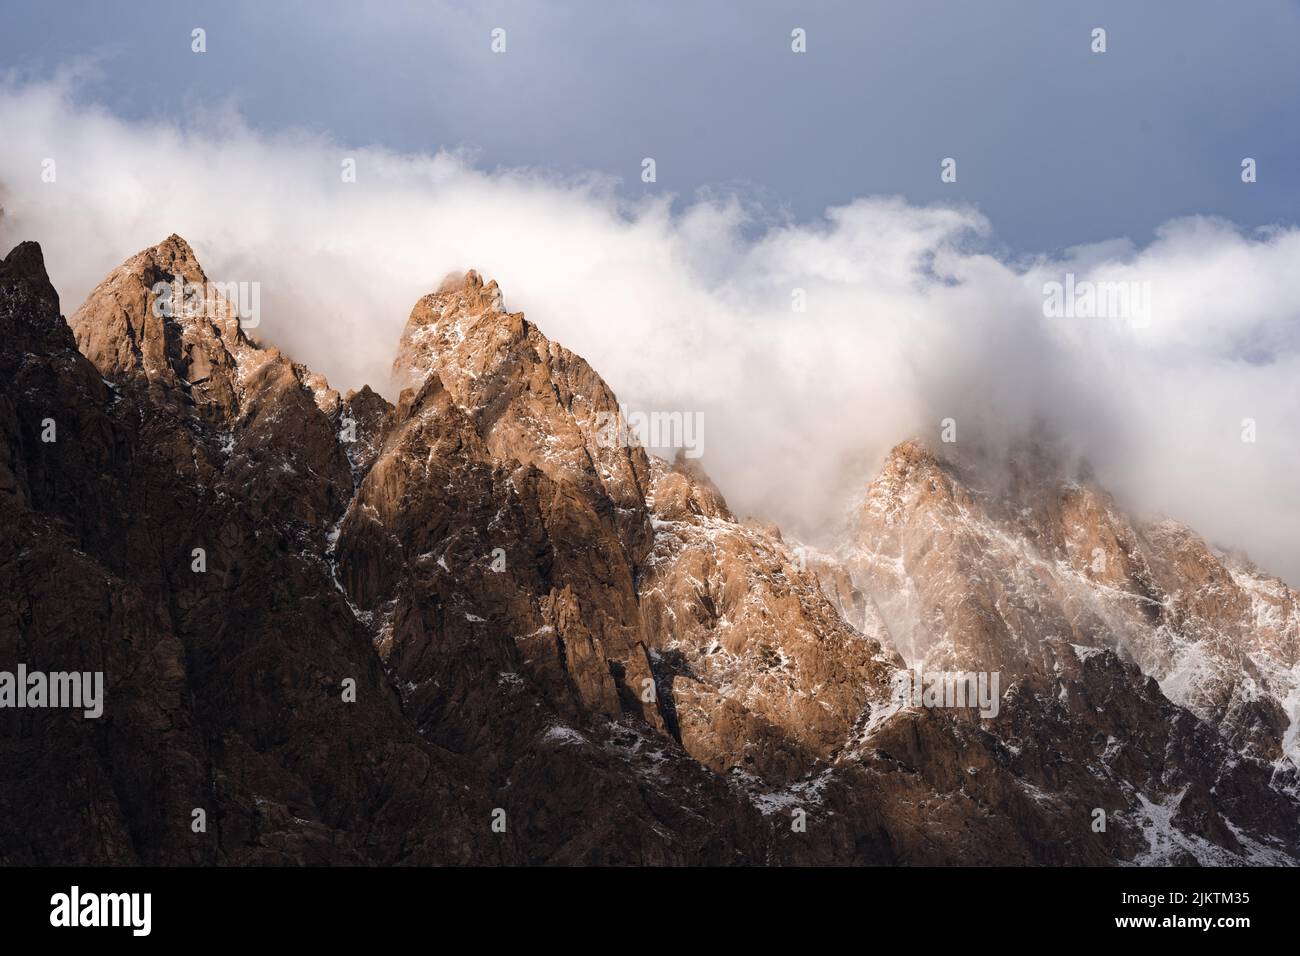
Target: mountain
{"x":1152,"y":674}
{"x":465,"y":627}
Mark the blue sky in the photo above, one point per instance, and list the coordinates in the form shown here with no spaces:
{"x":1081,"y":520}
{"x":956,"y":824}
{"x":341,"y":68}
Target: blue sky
{"x":1056,"y":145}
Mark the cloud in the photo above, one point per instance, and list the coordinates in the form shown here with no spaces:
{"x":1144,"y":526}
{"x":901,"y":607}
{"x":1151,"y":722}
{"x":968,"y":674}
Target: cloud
{"x":909,"y":316}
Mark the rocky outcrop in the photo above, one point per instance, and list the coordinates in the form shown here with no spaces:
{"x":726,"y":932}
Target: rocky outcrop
{"x":984,"y":572}
{"x":131,"y":547}
{"x":468,"y":627}
{"x":761,"y":672}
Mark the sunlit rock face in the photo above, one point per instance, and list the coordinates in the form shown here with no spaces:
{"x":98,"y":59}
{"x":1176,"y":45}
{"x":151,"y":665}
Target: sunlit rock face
{"x":466,"y":626}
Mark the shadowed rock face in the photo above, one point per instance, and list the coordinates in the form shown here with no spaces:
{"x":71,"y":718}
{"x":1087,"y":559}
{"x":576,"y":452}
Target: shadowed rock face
{"x":414,"y":620}
{"x":222,"y":688}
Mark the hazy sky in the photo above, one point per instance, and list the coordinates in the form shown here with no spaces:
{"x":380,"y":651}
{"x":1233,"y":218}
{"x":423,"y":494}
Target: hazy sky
{"x":1055,"y":144}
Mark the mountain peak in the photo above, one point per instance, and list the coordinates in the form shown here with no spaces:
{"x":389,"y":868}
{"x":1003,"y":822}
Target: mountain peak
{"x":173,"y":256}
{"x":175,"y":244}
{"x":912,"y":464}
{"x":25,"y":261}
{"x":529,"y":398}
{"x":455,"y":282}
{"x":156,"y":319}
{"x":909,"y":454}
{"x":29,"y":305}
{"x":26,"y":264}
{"x":442,"y":320}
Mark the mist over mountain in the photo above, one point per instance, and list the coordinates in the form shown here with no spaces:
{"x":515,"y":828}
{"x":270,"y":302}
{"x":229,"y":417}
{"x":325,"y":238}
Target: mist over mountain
{"x":911,"y":314}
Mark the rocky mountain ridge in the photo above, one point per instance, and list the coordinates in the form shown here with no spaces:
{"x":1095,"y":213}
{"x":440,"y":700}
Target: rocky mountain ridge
{"x":566,"y":652}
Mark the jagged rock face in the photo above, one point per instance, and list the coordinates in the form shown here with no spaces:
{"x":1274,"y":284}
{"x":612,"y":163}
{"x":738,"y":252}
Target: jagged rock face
{"x":130,"y":327}
{"x":564,"y":513}
{"x":542,"y":623}
{"x":1227,"y":645}
{"x":273,"y":421}
{"x":363,"y":419}
{"x":968,"y":577}
{"x":1011,"y":578}
{"x":530,"y":399}
{"x":222,"y":687}
{"x":471,"y":502}
{"x":761,"y":673}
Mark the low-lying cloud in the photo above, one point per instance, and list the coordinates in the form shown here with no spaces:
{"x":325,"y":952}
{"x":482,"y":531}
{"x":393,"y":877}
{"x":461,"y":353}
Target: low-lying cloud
{"x":810,"y":348}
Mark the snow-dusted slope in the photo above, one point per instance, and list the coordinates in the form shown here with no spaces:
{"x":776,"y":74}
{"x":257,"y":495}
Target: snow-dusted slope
{"x":980,"y":568}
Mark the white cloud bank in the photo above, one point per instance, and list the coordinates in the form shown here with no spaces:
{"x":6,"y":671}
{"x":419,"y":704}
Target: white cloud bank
{"x":909,"y":319}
